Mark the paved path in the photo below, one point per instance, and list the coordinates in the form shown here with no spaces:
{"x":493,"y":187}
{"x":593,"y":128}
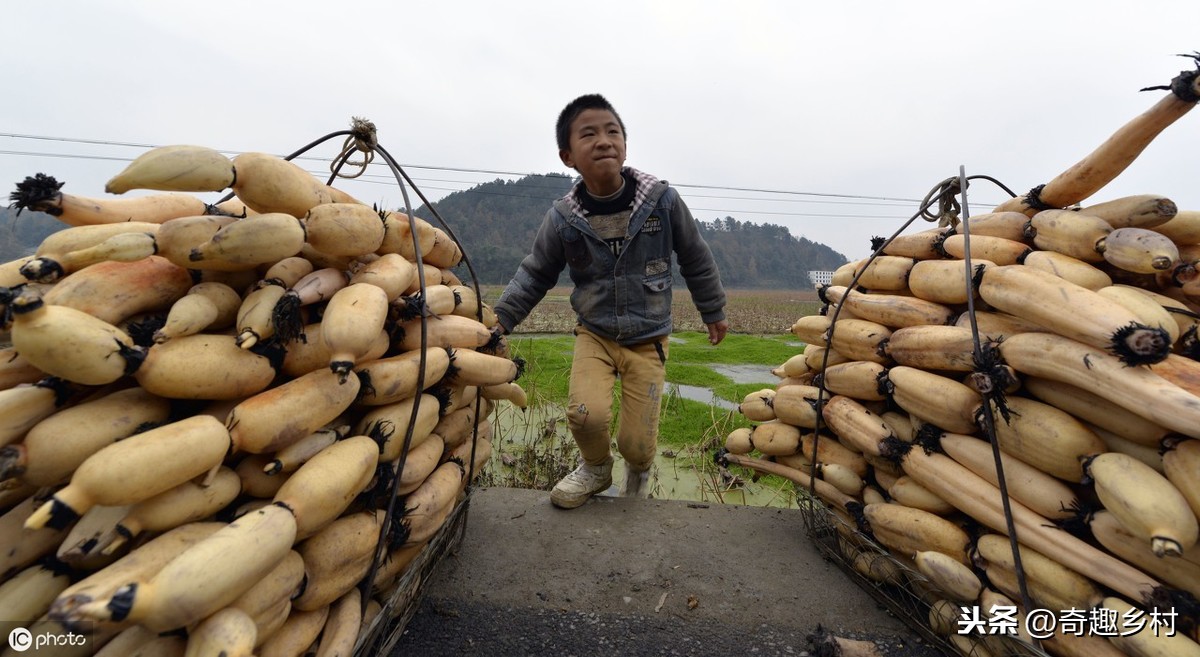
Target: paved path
{"x":638,"y":577}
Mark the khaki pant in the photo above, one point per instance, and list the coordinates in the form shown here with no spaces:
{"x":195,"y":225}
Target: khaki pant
{"x":596,"y":365}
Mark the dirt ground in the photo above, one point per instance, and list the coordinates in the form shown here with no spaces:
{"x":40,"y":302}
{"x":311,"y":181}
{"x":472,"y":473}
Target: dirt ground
{"x":639,"y":577}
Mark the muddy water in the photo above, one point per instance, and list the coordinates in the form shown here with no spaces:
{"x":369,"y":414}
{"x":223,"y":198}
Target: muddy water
{"x":700,"y":394}
{"x":696,"y":478}
{"x":681,"y":474}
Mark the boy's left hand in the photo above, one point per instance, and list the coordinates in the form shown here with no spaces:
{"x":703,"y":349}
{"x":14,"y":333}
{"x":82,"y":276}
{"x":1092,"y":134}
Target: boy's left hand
{"x":717,"y":331}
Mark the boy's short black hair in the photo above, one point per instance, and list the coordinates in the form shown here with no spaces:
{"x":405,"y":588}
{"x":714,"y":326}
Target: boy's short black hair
{"x":574,"y":109}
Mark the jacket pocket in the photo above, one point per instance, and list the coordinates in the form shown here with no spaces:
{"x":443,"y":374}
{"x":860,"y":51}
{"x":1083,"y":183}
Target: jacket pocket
{"x":575,"y":248}
{"x":658,"y":297}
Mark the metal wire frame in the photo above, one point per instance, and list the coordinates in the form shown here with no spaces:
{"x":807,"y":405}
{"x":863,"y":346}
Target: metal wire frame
{"x":942,"y":194}
{"x":908,"y":595}
{"x":363,"y":138}
{"x":385,"y":630}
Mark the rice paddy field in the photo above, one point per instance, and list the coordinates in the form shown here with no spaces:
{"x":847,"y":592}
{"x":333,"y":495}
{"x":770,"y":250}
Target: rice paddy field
{"x":533,"y":447}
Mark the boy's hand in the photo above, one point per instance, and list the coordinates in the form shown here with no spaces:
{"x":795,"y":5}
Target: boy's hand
{"x":717,"y":331}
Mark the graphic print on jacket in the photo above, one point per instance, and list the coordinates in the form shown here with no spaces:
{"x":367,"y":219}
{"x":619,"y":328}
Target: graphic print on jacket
{"x":609,"y":216}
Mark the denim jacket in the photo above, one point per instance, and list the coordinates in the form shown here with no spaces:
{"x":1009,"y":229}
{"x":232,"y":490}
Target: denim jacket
{"x":625,"y":298}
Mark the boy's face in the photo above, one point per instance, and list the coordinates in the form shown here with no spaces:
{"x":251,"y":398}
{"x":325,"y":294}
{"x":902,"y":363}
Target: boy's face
{"x":596,"y":150}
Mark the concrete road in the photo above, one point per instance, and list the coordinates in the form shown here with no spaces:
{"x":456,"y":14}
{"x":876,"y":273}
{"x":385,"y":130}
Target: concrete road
{"x":639,"y":577}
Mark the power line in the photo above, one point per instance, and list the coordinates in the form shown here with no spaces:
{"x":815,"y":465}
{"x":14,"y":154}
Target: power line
{"x":534,"y":184}
{"x":806,"y":214}
{"x":103,"y":142}
{"x":389,"y":180}
{"x":696,"y":209}
{"x":769,"y":191}
{"x":130,"y":144}
{"x":76,"y":140}
{"x":69,"y":156}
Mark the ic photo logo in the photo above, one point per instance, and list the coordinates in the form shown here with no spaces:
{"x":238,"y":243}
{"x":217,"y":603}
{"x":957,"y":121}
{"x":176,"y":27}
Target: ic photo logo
{"x":20,"y":639}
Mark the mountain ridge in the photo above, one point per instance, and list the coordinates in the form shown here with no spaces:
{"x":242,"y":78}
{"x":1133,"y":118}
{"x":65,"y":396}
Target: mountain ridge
{"x":496,"y":222}
{"x":21,"y":234}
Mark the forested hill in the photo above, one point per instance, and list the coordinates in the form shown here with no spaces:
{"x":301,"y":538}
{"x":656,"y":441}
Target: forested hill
{"x":495,"y":223}
{"x":21,"y":235}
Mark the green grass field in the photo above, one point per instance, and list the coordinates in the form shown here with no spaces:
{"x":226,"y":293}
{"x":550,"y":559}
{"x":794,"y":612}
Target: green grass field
{"x":759,"y":334}
{"x":536,"y":449}
{"x":684,"y":421}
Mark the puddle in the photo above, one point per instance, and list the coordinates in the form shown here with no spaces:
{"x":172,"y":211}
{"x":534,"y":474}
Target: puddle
{"x":699,"y":394}
{"x":746,"y":373}
{"x":736,"y":373}
{"x":683,"y":478}
{"x":686,"y":474}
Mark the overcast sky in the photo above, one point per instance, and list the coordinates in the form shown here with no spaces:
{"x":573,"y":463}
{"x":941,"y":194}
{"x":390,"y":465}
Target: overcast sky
{"x":829,"y":102}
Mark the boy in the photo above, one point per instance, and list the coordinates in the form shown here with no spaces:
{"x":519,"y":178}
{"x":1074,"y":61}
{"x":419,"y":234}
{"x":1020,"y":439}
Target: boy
{"x":616,"y":230}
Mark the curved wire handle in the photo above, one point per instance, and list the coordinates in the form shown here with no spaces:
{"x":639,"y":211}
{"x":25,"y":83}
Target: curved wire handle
{"x":404,"y":182}
{"x":361,"y":138}
{"x":995,"y":393}
{"x":941,"y":194}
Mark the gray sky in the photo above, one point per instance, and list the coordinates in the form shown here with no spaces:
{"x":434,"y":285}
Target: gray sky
{"x":832,"y":99}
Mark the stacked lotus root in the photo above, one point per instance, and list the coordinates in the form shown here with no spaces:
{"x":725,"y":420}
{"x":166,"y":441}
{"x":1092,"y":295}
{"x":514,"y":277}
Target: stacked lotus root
{"x":229,"y":429}
{"x":1053,"y":340}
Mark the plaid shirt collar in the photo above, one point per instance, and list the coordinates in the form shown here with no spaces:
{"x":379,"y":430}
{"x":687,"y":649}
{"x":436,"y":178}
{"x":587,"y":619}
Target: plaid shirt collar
{"x":645,"y":183}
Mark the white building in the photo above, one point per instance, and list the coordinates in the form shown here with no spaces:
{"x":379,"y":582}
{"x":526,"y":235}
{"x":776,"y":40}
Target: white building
{"x":820,"y":277}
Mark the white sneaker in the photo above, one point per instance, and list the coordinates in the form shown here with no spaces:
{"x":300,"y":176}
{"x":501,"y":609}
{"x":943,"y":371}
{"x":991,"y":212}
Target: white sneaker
{"x":637,"y":483}
{"x":582,"y":483}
